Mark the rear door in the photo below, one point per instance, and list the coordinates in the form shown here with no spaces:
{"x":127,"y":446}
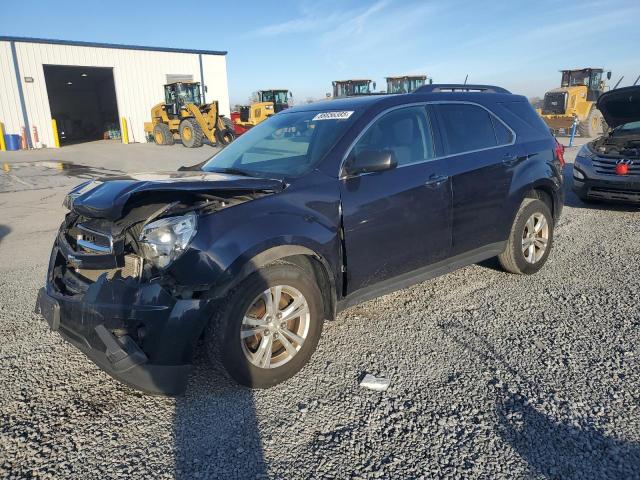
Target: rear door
{"x":396,"y":220}
{"x":482,"y":154}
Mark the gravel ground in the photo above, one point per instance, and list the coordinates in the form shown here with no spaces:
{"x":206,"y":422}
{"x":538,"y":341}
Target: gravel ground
{"x":492,"y":376}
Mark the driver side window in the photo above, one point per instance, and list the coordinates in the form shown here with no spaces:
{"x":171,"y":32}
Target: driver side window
{"x":404,"y":132}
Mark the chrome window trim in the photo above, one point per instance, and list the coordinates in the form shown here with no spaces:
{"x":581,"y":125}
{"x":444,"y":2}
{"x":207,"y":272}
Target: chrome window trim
{"x":342,"y":175}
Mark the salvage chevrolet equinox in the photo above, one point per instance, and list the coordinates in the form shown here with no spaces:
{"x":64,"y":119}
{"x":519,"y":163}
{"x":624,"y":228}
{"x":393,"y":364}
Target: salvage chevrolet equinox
{"x":314,"y":210}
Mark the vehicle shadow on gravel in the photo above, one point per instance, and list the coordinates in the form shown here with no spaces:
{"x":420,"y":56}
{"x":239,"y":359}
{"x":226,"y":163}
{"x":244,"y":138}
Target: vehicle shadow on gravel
{"x":552,"y":447}
{"x":561,"y":450}
{"x":215,"y":429}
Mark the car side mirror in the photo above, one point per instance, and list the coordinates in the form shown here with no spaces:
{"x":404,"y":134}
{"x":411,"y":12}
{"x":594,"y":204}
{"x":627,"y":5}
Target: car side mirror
{"x":608,"y":75}
{"x":368,"y":161}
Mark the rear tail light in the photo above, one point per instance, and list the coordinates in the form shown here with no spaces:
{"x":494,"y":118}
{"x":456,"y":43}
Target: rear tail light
{"x":560,"y":153}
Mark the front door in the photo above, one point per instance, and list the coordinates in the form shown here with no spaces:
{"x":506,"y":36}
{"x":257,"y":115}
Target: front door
{"x":399,"y":219}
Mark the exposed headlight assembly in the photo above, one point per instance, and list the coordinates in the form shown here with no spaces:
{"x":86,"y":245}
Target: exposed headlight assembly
{"x":166,"y":239}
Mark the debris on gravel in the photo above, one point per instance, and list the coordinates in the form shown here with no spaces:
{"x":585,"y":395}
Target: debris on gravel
{"x":377,"y":384}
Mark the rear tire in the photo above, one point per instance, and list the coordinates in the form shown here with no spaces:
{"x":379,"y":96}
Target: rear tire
{"x":190,"y":133}
{"x":530,"y":240}
{"x":229,"y":340}
{"x":592,"y":126}
{"x":162,"y":134}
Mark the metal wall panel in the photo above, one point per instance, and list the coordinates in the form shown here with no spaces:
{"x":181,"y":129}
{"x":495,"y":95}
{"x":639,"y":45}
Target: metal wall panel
{"x":138,"y":77}
{"x":10,"y":113}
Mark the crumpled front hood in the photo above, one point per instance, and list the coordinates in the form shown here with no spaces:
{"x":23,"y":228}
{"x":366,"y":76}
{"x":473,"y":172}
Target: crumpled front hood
{"x":107,"y":197}
{"x":620,"y":106}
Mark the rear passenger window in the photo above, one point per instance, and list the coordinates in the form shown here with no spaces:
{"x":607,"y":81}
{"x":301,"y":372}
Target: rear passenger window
{"x":469,"y":127}
{"x":466,"y":127}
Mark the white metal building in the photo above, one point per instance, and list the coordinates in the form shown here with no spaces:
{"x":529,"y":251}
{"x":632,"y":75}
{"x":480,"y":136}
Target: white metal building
{"x":90,"y":87}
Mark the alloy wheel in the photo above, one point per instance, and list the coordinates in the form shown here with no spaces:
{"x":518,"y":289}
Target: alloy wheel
{"x":535,"y":238}
{"x":275,"y":326}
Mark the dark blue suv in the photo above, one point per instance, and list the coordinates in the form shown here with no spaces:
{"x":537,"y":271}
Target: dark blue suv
{"x":317,"y":209}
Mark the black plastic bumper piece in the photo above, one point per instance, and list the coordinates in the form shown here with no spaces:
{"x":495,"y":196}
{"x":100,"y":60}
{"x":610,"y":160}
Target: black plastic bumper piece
{"x":611,"y":191}
{"x":121,"y":356}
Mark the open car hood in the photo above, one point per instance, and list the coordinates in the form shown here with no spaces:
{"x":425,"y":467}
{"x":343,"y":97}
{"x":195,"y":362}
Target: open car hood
{"x":620,"y":106}
{"x":107,"y":197}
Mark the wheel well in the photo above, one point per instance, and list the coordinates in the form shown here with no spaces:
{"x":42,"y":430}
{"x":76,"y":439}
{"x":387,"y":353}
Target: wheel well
{"x":315,"y":267}
{"x":542,"y":194}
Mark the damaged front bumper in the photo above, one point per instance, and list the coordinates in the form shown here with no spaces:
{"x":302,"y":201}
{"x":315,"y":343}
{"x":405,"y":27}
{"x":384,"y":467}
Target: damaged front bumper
{"x":139,"y":333}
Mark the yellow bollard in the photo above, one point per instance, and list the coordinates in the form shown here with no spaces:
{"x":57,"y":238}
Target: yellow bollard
{"x":3,"y":147}
{"x":56,"y":139}
{"x":125,"y":131}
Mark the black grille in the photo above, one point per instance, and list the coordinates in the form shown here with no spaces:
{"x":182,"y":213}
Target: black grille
{"x":244,"y":114}
{"x":614,"y":194}
{"x":87,"y":240}
{"x":554,"y":103}
{"x":607,"y":166}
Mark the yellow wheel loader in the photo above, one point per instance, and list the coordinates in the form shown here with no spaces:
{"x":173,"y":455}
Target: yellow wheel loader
{"x":575,"y":100}
{"x":266,"y":103}
{"x":406,"y":83}
{"x":350,"y":88}
{"x":184,"y":112}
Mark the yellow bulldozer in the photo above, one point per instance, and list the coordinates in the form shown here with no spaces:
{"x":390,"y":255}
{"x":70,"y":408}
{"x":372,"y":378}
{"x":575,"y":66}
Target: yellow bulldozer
{"x":575,"y":100}
{"x":184,"y":112}
{"x":265,"y":104}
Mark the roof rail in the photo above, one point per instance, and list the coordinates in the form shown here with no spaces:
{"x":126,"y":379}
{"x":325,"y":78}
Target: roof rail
{"x":458,"y":87}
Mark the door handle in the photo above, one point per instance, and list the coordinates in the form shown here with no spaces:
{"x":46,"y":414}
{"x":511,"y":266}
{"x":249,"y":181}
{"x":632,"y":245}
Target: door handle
{"x":511,"y":159}
{"x":436,"y":180}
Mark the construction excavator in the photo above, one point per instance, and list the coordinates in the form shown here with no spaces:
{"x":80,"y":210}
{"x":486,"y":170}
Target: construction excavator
{"x":184,"y":112}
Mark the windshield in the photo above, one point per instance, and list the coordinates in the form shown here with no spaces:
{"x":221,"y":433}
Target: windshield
{"x":278,"y":97}
{"x":575,"y":78}
{"x":281,"y":97}
{"x":361,"y":88}
{"x":285,"y":145}
{"x":183,"y":93}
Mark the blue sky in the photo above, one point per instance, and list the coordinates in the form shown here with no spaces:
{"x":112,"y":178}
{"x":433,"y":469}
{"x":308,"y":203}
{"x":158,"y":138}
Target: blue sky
{"x":304,"y":45}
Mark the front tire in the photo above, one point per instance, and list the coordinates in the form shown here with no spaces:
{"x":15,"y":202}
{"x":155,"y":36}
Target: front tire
{"x":268,"y":327}
{"x":592,"y":126}
{"x":530,"y":239}
{"x":190,"y":133}
{"x":162,"y":134}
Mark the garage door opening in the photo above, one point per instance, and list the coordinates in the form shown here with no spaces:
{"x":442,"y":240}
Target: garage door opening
{"x":83,"y":103}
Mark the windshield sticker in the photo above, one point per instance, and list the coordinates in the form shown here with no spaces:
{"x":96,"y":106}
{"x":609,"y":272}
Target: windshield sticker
{"x":332,"y":116}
